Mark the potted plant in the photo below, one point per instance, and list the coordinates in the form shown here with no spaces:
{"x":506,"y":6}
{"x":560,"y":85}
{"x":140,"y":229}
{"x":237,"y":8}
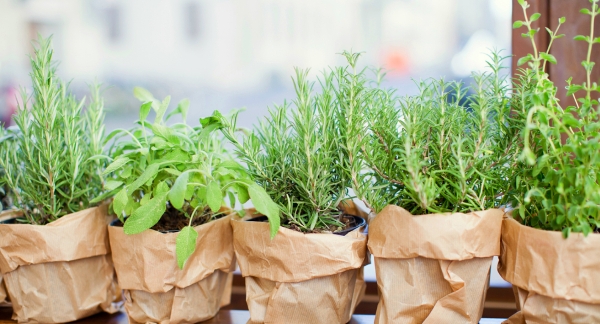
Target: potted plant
{"x":550,"y":244}
{"x":5,"y":213}
{"x":305,"y":266}
{"x":57,"y":252}
{"x":438,"y":155}
{"x":172,"y":245}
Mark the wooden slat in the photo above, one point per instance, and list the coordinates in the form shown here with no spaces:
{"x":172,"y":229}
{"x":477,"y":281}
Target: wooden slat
{"x":570,"y":53}
{"x":223,"y":317}
{"x":522,"y":46}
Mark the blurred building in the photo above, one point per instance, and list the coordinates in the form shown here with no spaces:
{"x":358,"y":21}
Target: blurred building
{"x":241,"y":46}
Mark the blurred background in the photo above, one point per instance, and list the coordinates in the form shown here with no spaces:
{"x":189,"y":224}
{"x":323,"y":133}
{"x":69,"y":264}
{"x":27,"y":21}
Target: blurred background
{"x":226,"y":54}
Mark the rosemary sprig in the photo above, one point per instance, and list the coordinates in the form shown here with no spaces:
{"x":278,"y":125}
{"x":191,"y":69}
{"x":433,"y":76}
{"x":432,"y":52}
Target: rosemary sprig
{"x":442,"y":150}
{"x":308,"y":157}
{"x":48,"y":159}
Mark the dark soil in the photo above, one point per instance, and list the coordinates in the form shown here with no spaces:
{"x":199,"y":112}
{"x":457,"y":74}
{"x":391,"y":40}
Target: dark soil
{"x":174,"y":220}
{"x":346,"y":219}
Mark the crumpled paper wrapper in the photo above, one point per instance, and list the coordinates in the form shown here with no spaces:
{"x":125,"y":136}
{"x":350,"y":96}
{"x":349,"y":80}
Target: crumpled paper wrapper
{"x":300,"y":278}
{"x":59,"y":272}
{"x":556,"y":280}
{"x":5,"y":215}
{"x":433,"y":268}
{"x":2,"y":291}
{"x":157,"y":291}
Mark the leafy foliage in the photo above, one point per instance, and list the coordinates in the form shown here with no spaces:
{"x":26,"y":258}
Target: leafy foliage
{"x":171,"y":171}
{"x":555,"y":183}
{"x":306,"y":158}
{"x":49,"y":160}
{"x":442,"y":150}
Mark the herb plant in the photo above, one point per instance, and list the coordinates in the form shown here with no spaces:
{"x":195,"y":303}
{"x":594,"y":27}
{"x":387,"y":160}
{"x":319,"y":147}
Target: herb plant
{"x":174,"y":174}
{"x":308,"y":157}
{"x":49,"y":160}
{"x":443,"y":149}
{"x":555,"y":183}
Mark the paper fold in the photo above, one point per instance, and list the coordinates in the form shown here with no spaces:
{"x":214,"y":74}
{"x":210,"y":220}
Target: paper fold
{"x":396,"y":234}
{"x":300,"y":278}
{"x":24,"y":244}
{"x":59,"y":272}
{"x":157,"y":291}
{"x":433,"y":268}
{"x":555,"y":279}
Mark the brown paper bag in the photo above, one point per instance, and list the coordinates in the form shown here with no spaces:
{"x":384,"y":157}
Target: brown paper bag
{"x":433,"y":268}
{"x":300,"y":278}
{"x":157,"y":291}
{"x":58,"y":272}
{"x":2,"y":291}
{"x":556,"y":280}
{"x":4,"y":216}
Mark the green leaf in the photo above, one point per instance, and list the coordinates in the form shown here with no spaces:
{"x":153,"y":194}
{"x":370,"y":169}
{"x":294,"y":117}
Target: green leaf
{"x":588,"y":66}
{"x":570,"y":120}
{"x":177,"y":193}
{"x":242,"y":193}
{"x":116,"y":164}
{"x":580,"y":38}
{"x":185,"y":245}
{"x":126,"y":172}
{"x":561,"y":20}
{"x":146,"y":216}
{"x":145,"y":110}
{"x":142,"y":94}
{"x":265,"y":205}
{"x":162,"y":110}
{"x":145,"y":199}
{"x":112,"y":184}
{"x":231,"y":199}
{"x":585,"y":11}
{"x":535,"y":17}
{"x":183,"y":107}
{"x":148,"y":175}
{"x":517,"y":24}
{"x":597,"y":40}
{"x":524,"y":59}
{"x":214,"y":196}
{"x":548,"y":57}
{"x":161,"y":188}
{"x":120,"y":202}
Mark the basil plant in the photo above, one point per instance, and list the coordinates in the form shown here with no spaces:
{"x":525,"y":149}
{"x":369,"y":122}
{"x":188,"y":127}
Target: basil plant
{"x":178,"y":171}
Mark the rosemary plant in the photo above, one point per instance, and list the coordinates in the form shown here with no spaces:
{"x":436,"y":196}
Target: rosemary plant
{"x":173,"y":176}
{"x":49,"y":160}
{"x":443,"y":149}
{"x":308,"y":157}
{"x":555,"y":184}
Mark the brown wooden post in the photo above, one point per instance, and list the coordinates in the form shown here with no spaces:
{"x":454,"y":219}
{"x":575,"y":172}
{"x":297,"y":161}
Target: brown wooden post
{"x":568,"y":53}
{"x":521,"y":46}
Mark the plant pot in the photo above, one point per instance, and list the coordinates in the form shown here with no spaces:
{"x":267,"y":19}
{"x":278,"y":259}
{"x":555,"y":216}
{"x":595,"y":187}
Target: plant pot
{"x":59,"y":272}
{"x":300,"y":278}
{"x":433,"y":268}
{"x":157,"y":291}
{"x":2,"y":291}
{"x":555,"y":280}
